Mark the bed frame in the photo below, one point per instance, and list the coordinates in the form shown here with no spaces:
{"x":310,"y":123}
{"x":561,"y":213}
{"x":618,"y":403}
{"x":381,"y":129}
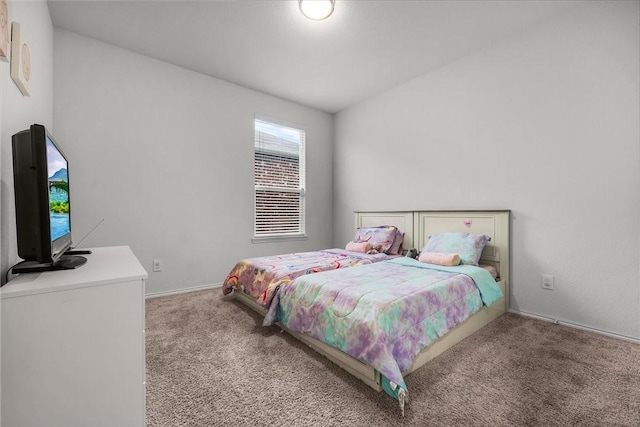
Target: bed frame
{"x":418,"y":226}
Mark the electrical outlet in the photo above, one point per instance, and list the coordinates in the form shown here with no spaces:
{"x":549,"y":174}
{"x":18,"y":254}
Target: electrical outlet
{"x":157,"y":265}
{"x":547,"y":282}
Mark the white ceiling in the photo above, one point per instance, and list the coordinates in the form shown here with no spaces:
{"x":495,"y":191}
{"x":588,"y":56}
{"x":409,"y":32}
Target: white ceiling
{"x":364,"y":48}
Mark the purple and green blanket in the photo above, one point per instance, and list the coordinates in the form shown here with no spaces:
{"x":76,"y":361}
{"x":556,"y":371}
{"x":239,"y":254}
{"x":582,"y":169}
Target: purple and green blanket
{"x":383,"y":314}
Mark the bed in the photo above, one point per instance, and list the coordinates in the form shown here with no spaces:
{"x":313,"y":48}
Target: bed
{"x":260,"y":277}
{"x":356,"y":354}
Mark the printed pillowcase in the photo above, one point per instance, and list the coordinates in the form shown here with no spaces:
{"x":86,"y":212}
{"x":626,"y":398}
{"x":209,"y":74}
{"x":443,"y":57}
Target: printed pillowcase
{"x":381,"y":238}
{"x":468,"y":246}
{"x":396,"y":248}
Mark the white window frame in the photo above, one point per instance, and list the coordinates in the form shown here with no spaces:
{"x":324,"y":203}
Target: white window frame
{"x":260,"y":236}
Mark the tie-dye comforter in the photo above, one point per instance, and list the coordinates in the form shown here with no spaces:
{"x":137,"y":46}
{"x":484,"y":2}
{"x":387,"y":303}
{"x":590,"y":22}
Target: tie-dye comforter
{"x":260,"y":277}
{"x":385,"y":313}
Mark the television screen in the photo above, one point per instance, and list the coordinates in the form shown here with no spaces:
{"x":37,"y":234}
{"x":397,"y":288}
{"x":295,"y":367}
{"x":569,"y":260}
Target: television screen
{"x":58,"y":192}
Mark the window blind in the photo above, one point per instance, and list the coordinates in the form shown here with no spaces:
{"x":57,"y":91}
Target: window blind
{"x":279,"y":179}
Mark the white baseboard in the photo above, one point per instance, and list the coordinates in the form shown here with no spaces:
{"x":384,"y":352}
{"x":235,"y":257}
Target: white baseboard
{"x":576,"y":326}
{"x":183,"y":290}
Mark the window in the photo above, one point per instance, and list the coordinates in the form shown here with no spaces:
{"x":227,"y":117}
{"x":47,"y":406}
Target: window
{"x":279,"y":179}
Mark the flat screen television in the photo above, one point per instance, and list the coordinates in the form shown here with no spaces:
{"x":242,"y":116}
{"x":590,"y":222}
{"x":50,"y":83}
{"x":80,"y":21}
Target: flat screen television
{"x":43,"y":205}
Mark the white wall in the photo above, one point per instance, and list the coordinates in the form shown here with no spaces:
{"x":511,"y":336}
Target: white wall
{"x":545,"y":124}
{"x":165,"y":156}
{"x":3,"y":69}
{"x":19,"y":112}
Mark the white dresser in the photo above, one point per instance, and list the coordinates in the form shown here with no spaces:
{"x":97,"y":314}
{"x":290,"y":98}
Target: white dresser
{"x":73,"y":346}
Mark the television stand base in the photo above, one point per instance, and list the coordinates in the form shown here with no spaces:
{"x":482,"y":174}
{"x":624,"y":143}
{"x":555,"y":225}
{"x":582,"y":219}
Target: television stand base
{"x":65,"y":262}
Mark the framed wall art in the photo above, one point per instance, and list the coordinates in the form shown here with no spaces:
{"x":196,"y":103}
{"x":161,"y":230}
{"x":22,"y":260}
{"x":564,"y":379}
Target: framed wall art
{"x":4,"y":31}
{"x":20,"y":59}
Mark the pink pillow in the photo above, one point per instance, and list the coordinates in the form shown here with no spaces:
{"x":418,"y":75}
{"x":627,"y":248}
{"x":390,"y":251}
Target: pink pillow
{"x":439,"y":258}
{"x":362,"y":247}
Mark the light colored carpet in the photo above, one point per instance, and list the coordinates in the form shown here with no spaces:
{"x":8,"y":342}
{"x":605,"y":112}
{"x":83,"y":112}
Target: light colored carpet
{"x":210,"y":363}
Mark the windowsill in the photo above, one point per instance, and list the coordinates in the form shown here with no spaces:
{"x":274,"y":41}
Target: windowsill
{"x":269,"y":239}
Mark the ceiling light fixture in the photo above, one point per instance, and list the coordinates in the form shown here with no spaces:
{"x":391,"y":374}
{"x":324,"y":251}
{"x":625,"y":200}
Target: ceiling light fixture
{"x":316,"y":9}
